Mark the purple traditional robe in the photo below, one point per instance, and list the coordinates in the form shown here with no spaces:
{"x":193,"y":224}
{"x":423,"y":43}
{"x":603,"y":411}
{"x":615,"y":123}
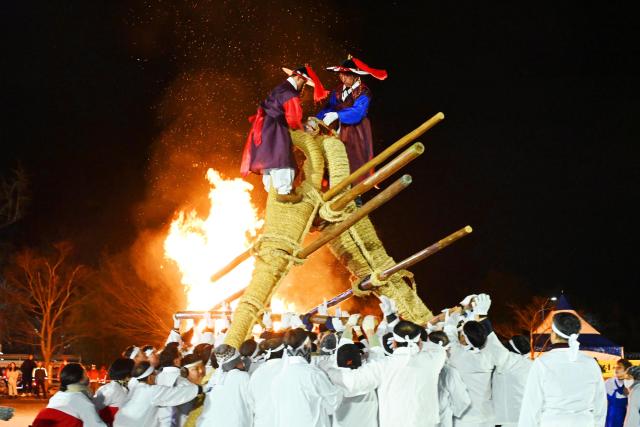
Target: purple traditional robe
{"x":269,"y":143}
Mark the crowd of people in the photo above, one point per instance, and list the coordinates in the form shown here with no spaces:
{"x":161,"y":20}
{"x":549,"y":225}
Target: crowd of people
{"x":31,"y":378}
{"x":350,"y":371}
{"x":354,"y":371}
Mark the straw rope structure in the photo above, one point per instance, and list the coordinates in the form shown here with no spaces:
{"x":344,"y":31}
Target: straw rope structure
{"x":286,"y":226}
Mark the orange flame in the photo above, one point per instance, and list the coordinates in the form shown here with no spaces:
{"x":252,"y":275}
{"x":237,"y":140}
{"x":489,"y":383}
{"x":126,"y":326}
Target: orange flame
{"x":202,"y":246}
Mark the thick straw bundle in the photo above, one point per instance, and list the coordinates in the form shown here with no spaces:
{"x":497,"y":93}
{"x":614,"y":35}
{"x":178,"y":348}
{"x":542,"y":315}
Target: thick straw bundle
{"x":286,"y":226}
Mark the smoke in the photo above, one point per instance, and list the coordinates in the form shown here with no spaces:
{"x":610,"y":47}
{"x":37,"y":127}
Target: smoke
{"x":215,"y":60}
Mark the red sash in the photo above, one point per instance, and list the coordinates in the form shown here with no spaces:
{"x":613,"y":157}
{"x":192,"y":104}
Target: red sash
{"x":255,"y":136}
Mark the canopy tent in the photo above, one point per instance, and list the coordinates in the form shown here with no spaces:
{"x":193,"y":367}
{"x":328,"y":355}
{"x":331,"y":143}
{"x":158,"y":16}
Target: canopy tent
{"x":591,"y":341}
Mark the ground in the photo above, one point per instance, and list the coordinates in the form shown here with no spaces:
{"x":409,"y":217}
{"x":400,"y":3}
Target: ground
{"x":26,"y":410}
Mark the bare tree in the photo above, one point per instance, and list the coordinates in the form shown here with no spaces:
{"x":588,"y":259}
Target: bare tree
{"x":529,"y":317}
{"x":46,"y":288}
{"x":13,"y":197}
{"x":134,"y":309}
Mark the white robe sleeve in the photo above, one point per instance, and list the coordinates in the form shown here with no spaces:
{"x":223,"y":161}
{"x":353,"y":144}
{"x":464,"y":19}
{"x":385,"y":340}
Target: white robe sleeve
{"x":502,"y":358}
{"x":173,"y":396}
{"x":533,"y":398}
{"x":457,"y":389}
{"x":330,"y":394}
{"x":359,"y":381}
{"x":599,"y":400}
{"x":87,"y":413}
{"x":245,"y":392}
{"x":376,"y":354}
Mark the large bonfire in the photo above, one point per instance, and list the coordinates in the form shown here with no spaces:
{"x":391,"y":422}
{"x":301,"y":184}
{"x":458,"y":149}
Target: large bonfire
{"x":202,"y":246}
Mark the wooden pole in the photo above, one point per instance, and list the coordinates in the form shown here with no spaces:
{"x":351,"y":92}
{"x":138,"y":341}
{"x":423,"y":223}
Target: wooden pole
{"x":413,"y":259}
{"x":377,"y":160}
{"x":233,"y":264}
{"x":427,"y":252}
{"x":440,"y":317}
{"x":337,"y":229}
{"x":332,"y":192}
{"x":385,"y":172}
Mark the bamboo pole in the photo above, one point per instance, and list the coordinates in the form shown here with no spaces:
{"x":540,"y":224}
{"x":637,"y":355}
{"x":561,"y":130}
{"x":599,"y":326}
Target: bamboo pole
{"x":232,"y":265}
{"x":337,"y":229}
{"x":383,"y":173}
{"x":440,"y":317}
{"x":377,"y":160}
{"x":419,"y":256}
{"x":332,"y":192}
{"x":406,"y":263}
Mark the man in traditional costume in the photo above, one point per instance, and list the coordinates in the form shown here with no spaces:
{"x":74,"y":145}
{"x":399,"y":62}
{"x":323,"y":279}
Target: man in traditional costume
{"x":71,"y":406}
{"x":509,"y":378}
{"x":145,"y":398}
{"x":268,"y":150}
{"x":564,"y":387}
{"x":453,"y":397}
{"x":302,"y":393}
{"x":113,"y":395}
{"x":347,"y":107}
{"x":406,"y":381}
{"x":260,"y":384}
{"x":473,"y":361}
{"x":226,"y":401}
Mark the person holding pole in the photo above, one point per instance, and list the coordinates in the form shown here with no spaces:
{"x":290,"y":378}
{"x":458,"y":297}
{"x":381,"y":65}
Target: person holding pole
{"x":268,"y":150}
{"x":347,"y":108}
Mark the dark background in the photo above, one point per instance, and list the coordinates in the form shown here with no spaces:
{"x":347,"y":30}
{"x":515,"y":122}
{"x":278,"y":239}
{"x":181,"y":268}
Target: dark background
{"x":538,"y":151}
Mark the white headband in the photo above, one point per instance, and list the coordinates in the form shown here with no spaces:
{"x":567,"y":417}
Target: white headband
{"x":469,"y":346}
{"x":411,"y":342}
{"x":574,"y":344}
{"x":306,"y":341}
{"x":267,"y":353}
{"x":134,"y":352}
{"x":513,"y":346}
{"x":193,"y":364}
{"x":145,"y":374}
{"x":149,"y":352}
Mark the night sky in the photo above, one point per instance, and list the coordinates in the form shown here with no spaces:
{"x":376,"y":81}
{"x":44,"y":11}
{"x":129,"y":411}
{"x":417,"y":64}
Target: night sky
{"x":112,"y":107}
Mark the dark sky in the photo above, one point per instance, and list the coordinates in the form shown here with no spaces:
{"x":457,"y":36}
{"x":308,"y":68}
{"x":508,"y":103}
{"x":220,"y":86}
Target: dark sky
{"x":538,"y":151}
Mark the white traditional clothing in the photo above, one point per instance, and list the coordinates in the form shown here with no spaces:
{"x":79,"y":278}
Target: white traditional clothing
{"x":561,"y":392}
{"x":280,"y":179}
{"x":509,"y":381}
{"x":475,"y":368}
{"x":407,"y":384}
{"x":226,"y":400}
{"x":633,"y":408}
{"x":453,"y":396}
{"x":170,"y":416}
{"x":109,"y":399}
{"x":144,"y":400}
{"x":357,"y":410}
{"x":260,"y":396}
{"x":75,"y":404}
{"x":303,"y":395}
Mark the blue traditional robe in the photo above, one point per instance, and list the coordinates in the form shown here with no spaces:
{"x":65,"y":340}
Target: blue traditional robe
{"x":355,"y":128}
